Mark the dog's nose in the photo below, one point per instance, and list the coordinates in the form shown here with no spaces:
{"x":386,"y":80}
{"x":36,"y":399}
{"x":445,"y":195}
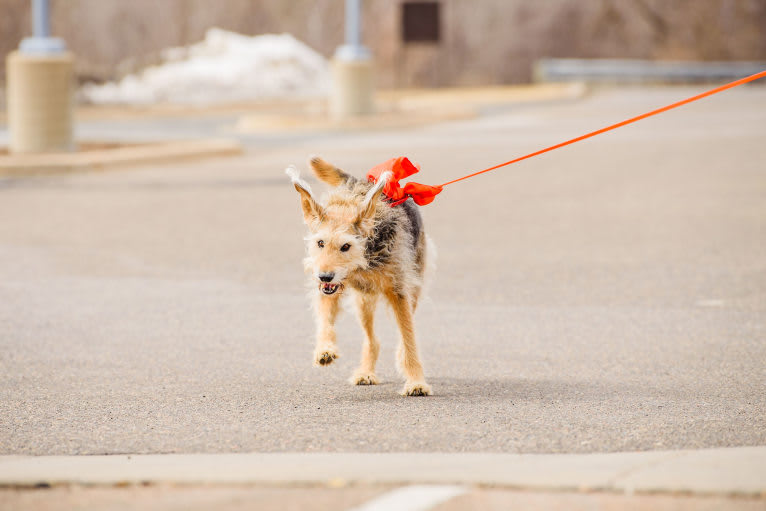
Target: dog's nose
{"x":326,"y":276}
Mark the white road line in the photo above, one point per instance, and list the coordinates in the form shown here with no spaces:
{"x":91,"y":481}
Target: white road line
{"x":412,"y":498}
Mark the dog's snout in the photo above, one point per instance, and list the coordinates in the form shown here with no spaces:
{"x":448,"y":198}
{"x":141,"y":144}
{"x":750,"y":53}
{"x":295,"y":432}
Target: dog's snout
{"x":326,"y":276}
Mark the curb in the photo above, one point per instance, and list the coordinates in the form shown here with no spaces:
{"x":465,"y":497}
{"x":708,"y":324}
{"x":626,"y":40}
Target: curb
{"x":408,"y":108}
{"x":40,"y":164}
{"x":726,"y":471}
{"x":637,"y":71}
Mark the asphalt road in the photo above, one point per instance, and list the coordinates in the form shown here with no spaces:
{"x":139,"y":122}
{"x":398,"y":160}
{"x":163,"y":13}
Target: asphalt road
{"x":609,"y":296}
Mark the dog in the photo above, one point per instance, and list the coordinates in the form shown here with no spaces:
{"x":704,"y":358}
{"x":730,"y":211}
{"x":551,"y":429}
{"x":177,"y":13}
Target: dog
{"x":358,"y":243}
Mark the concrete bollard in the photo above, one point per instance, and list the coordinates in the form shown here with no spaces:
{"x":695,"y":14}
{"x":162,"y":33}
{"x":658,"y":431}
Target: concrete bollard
{"x":352,"y":81}
{"x":352,"y":88}
{"x":40,"y":97}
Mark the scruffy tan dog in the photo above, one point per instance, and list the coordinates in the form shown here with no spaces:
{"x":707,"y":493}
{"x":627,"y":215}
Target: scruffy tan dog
{"x":358,"y":242}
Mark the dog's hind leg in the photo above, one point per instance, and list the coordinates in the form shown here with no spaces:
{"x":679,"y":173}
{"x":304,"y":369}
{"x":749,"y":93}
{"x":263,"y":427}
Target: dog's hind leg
{"x":365,"y":373}
{"x":407,"y":353}
{"x":326,"y":312}
{"x":421,"y":259}
{"x":415,"y":297}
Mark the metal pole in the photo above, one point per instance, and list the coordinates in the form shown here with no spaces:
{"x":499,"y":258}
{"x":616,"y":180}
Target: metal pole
{"x":41,"y":42}
{"x":41,"y":26}
{"x":352,"y":49}
{"x":353,"y":23}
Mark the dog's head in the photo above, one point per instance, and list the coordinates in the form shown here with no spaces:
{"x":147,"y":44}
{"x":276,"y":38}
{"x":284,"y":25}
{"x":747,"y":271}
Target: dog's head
{"x":338,"y":230}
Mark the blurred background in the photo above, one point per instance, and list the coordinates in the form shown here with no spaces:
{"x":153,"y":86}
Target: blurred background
{"x":476,"y":42}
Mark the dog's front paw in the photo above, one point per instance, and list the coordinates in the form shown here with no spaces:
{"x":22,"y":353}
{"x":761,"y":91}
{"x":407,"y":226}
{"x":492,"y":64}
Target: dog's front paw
{"x":324,"y":357}
{"x":418,"y":388}
{"x":363,"y":378}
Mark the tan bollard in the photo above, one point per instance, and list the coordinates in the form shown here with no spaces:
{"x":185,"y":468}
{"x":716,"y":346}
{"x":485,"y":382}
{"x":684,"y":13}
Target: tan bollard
{"x":40,"y":97}
{"x":352,"y":88}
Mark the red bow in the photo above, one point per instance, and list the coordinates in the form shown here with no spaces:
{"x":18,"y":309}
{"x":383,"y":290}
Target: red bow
{"x":402,"y":167}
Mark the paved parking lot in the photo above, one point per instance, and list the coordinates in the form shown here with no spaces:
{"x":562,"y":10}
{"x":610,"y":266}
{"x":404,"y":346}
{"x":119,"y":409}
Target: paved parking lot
{"x":609,"y":296}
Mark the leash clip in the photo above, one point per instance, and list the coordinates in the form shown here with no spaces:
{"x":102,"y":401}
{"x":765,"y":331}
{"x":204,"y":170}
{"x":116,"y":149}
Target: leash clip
{"x":401,"y":201}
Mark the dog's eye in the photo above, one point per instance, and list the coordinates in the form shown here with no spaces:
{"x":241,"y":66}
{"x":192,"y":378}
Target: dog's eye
{"x":345,"y":247}
{"x":320,"y":243}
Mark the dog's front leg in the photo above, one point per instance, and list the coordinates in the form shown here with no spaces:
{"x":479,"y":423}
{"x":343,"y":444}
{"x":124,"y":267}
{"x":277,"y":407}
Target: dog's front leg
{"x":365,"y":374}
{"x":407,"y":353}
{"x":326,"y":311}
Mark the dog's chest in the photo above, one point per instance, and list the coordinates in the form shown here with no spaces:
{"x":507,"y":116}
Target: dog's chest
{"x":363,"y":283}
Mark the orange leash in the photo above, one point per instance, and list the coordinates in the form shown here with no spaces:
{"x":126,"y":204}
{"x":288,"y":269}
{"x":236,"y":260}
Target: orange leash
{"x":741,"y":81}
{"x":424,"y":194}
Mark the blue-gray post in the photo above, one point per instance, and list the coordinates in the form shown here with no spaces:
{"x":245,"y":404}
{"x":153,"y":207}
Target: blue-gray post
{"x":353,"y":49}
{"x":41,"y":42}
{"x":41,"y":23}
{"x":353,"y":23}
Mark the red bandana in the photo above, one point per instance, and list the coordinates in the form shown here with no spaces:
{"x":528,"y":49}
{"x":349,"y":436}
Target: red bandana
{"x":402,"y":167}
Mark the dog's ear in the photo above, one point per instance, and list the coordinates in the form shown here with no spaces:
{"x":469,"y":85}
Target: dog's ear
{"x":312,"y":211}
{"x":328,"y":172}
{"x":367,"y":209}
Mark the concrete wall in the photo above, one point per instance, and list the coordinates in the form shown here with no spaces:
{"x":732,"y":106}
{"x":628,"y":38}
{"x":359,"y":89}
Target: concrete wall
{"x":484,"y":41}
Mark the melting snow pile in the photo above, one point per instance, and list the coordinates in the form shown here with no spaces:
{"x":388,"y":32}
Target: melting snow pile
{"x":224,"y":67}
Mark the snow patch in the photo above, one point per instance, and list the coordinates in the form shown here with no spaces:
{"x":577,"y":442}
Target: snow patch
{"x":224,"y":67}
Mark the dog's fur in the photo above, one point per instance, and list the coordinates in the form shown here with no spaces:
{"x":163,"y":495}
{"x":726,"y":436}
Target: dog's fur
{"x":358,"y":242}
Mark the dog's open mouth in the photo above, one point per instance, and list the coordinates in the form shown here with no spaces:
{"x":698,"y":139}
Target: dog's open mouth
{"x":328,"y":288}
